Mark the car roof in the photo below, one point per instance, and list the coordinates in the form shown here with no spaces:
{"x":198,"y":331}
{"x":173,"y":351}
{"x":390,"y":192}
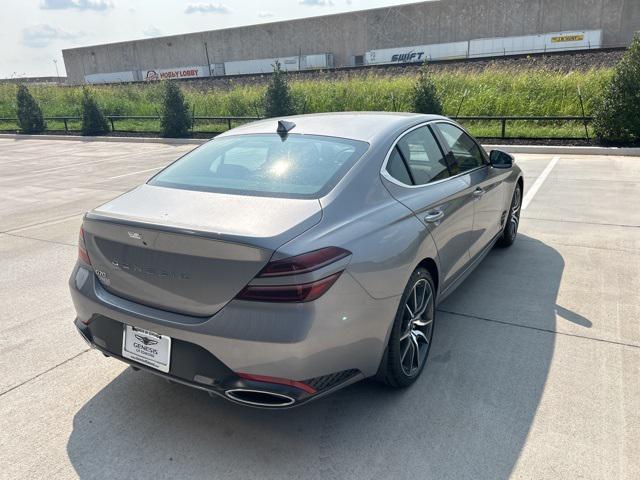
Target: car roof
{"x":363,"y":126}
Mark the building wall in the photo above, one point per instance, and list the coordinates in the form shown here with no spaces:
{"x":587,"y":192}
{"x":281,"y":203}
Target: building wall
{"x":349,"y":34}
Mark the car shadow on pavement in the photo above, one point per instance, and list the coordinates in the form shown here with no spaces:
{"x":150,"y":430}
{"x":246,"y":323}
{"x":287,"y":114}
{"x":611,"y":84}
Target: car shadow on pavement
{"x":468,"y":416}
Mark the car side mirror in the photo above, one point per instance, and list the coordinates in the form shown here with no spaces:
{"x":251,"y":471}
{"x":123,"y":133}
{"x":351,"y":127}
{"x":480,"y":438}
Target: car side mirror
{"x":500,"y":159}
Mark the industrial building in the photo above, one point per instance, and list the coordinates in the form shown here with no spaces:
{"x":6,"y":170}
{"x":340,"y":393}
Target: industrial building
{"x":437,"y":29}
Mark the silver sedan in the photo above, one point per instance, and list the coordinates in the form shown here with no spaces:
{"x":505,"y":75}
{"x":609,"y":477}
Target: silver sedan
{"x":288,"y":258}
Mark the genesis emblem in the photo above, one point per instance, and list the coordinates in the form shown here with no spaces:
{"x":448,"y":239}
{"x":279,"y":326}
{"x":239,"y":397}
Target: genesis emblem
{"x":146,"y":340}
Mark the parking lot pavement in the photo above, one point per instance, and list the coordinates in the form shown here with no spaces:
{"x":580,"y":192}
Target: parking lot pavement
{"x":535,"y":368}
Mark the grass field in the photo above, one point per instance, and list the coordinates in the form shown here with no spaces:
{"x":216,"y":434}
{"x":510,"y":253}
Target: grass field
{"x":494,"y":91}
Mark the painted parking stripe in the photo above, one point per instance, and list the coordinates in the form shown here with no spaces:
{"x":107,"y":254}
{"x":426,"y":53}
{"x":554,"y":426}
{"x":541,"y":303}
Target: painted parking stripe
{"x":538,"y":183}
{"x":43,"y":224}
{"x":135,"y":173}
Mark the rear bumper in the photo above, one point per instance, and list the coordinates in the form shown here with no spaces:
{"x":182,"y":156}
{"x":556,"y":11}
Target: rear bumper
{"x":343,"y":331}
{"x":193,"y":366}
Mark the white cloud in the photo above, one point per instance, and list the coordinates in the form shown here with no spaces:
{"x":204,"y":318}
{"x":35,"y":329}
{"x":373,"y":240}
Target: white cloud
{"x":76,"y":4}
{"x":265,"y":14}
{"x":41,"y":35}
{"x":316,"y":3}
{"x":207,"y":8}
{"x":152,"y":31}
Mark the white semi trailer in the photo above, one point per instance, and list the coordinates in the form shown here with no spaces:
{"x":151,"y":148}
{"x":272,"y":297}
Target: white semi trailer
{"x":488,"y":47}
{"x":290,"y":64}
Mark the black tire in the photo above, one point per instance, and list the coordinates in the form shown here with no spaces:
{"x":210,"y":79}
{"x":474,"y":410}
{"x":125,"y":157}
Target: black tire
{"x":396,"y":370}
{"x":510,"y":230}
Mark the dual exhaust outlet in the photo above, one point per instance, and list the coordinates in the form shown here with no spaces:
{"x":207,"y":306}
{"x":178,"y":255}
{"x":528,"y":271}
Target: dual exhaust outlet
{"x":259,"y":398}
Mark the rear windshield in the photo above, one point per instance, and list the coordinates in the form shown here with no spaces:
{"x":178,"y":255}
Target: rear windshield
{"x":296,"y":166}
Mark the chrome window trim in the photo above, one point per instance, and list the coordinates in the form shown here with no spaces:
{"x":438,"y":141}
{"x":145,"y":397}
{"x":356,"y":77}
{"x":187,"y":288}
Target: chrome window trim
{"x":389,"y":177}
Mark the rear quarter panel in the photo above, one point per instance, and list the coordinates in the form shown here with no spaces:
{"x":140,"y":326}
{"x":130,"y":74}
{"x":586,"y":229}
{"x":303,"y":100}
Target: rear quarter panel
{"x":387,"y":240}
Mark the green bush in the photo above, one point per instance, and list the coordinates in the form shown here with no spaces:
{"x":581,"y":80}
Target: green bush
{"x":30,"y":118}
{"x":425,"y":96}
{"x":175,"y":119}
{"x":617,"y":117}
{"x":93,"y":120}
{"x":278,"y":101}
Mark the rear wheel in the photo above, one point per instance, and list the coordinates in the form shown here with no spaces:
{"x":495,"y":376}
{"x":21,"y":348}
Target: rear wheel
{"x":412,"y":332}
{"x":510,"y":230}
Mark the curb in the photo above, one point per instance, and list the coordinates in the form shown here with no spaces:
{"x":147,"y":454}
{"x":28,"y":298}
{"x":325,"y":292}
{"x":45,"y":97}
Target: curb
{"x":564,"y":150}
{"x":532,"y":149}
{"x":78,"y":138}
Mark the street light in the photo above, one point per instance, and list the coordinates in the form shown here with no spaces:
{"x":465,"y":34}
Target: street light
{"x":55,"y":62}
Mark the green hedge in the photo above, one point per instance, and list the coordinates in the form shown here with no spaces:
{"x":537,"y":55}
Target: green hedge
{"x":494,"y":91}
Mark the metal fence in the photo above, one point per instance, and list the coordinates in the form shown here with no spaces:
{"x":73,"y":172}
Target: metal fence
{"x":583,"y":121}
{"x":229,"y":122}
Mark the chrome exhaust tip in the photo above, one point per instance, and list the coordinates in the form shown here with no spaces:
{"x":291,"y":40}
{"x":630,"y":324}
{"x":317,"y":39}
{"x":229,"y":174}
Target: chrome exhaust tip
{"x":259,"y":398}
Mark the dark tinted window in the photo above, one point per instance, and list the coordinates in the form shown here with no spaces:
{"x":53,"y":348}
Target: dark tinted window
{"x":466,"y":153}
{"x":423,"y":156}
{"x":397,"y":168}
{"x":297,"y":166}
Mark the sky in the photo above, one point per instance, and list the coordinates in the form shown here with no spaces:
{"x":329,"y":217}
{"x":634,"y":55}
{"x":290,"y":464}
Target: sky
{"x":34,"y":32}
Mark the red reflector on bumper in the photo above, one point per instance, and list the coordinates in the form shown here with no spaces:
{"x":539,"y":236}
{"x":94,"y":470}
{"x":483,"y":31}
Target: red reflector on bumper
{"x":277,"y":381}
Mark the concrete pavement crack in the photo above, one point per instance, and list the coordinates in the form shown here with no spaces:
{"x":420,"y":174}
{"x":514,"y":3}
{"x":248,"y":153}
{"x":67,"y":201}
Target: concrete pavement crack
{"x":578,"y":221}
{"x":621,"y":250}
{"x":545,"y":330}
{"x":39,"y":239}
{"x":44,"y":373}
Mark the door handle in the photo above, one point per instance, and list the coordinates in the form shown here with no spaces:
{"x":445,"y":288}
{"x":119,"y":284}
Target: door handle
{"x":434,"y":216}
{"x":478,"y":192}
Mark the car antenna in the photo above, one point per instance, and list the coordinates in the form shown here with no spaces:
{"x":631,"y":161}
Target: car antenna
{"x":284,"y":127}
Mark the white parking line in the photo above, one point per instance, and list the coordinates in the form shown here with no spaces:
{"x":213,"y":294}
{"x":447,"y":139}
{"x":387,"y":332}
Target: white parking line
{"x":43,"y":224}
{"x":135,"y":173}
{"x":61,"y":167}
{"x":538,"y":183}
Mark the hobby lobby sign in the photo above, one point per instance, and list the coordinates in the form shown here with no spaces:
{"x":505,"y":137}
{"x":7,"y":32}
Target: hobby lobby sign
{"x":174,"y":73}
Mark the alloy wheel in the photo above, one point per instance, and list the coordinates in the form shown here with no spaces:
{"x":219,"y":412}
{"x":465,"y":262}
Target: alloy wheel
{"x":514,"y":215}
{"x":417,"y":328}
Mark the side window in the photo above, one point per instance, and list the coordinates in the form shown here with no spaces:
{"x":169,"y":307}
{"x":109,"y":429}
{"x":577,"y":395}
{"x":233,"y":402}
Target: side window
{"x":466,"y":153}
{"x":397,"y":168}
{"x":423,"y":156}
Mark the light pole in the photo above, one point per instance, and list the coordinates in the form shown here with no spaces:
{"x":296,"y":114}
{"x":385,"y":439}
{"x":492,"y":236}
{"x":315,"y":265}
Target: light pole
{"x":55,"y":62}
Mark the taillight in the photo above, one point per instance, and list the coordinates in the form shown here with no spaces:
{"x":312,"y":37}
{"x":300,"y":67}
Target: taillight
{"x":300,"y":264}
{"x":82,"y":250}
{"x":305,"y":292}
{"x":305,"y":263}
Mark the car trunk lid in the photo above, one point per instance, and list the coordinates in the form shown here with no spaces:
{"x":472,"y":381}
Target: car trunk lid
{"x":188,"y":252}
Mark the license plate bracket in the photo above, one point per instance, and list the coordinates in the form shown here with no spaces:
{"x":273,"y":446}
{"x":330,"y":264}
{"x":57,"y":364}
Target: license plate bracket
{"x":146,"y":347}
